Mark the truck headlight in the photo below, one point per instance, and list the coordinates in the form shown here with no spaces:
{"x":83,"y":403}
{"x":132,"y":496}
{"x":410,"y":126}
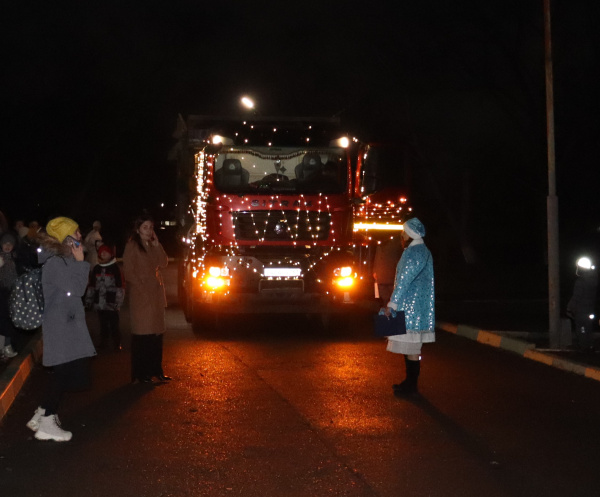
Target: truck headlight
{"x":343,"y":271}
{"x":215,"y":277}
{"x":214,"y":282}
{"x":345,"y":282}
{"x":344,"y":276}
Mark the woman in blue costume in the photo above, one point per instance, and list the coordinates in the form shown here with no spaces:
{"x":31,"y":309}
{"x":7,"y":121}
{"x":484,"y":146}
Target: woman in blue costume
{"x":414,"y":294}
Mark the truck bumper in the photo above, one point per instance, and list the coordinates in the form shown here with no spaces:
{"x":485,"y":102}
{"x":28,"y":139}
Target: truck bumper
{"x":260,"y":304}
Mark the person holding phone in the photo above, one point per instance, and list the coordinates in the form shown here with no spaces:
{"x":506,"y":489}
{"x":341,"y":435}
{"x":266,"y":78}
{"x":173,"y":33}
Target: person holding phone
{"x":67,"y":345}
{"x":143,"y":259}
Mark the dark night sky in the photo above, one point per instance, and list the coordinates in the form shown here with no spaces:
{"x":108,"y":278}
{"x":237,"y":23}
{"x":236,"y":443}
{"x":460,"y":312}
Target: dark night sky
{"x":91,"y":93}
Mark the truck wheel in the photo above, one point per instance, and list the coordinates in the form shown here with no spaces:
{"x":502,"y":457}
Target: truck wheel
{"x":325,"y":318}
{"x":337,"y":322}
{"x":203,"y":319}
{"x":186,"y":306}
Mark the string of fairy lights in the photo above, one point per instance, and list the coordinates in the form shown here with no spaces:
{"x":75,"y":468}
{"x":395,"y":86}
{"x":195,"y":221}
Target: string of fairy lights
{"x":381,"y":221}
{"x":374,"y":222}
{"x":293,"y":218}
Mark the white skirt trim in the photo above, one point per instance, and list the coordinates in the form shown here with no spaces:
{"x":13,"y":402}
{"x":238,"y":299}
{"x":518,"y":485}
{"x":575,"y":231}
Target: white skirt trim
{"x":414,"y":337}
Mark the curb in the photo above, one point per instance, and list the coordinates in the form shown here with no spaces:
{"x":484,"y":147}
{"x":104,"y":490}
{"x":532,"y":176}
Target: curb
{"x":15,"y":374}
{"x":520,"y":347}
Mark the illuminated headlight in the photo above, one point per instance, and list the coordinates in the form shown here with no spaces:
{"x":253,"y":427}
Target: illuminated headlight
{"x":592,"y":316}
{"x":346,"y":282}
{"x":217,"y":271}
{"x":344,"y":276}
{"x":344,"y":271}
{"x":214,"y":282}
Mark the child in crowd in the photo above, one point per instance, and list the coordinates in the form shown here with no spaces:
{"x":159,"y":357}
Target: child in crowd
{"x":8,"y":275}
{"x":105,"y":294}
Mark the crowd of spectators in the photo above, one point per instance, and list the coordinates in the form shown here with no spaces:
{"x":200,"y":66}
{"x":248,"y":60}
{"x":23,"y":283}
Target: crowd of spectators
{"x":19,"y":254}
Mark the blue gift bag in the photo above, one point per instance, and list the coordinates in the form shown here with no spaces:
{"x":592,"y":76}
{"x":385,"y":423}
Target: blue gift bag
{"x":386,"y":326}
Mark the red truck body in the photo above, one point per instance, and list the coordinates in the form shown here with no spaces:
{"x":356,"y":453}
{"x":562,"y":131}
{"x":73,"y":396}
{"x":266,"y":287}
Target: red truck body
{"x":281,"y":221}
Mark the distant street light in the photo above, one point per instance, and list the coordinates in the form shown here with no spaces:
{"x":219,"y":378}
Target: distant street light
{"x":248,"y":103}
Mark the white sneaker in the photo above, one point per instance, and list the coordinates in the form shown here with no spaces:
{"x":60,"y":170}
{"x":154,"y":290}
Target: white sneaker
{"x":9,"y":352}
{"x":34,"y":423}
{"x":50,"y":430}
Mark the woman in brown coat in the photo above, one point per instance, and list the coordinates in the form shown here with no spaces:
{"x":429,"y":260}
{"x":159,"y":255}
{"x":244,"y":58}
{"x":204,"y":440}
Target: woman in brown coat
{"x":142,"y":260}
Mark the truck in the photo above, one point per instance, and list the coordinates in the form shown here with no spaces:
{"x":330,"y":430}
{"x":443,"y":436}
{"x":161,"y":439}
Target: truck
{"x":284,"y":215}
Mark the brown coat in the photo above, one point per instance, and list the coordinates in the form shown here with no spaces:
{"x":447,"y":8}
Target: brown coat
{"x":147,"y":299}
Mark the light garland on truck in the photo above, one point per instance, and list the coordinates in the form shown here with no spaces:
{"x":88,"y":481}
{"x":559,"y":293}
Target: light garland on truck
{"x":370,"y":217}
{"x":313,"y":225}
{"x":381,"y":217}
{"x":231,"y":252}
{"x":202,"y":197}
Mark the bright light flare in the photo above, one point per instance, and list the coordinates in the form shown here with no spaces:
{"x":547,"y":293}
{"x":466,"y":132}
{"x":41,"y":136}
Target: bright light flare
{"x":345,"y":271}
{"x":378,"y":227}
{"x":346,"y":282}
{"x":247,"y":102}
{"x":214,"y":282}
{"x":585,"y":263}
{"x":343,"y":142}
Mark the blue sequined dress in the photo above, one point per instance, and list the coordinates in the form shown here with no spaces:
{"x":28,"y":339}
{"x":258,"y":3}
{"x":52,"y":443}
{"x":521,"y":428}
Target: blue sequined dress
{"x":414,"y":294}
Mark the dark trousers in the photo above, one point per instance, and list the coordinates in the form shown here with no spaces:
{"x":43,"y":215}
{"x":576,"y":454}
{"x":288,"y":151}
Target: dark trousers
{"x":584,"y":328}
{"x":146,"y":356}
{"x":6,"y":327}
{"x":70,"y":376}
{"x":109,"y":328}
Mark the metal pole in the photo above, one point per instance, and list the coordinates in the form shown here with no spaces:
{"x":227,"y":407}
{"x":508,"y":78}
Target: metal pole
{"x":552,"y":200}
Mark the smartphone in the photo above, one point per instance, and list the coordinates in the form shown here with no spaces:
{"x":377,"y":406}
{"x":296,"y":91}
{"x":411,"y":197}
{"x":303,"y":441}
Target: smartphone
{"x":74,"y":243}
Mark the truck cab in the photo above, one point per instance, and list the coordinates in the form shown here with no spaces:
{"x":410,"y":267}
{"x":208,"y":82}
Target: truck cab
{"x":273,"y":204}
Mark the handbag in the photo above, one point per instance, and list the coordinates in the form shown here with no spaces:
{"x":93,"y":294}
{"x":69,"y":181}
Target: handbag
{"x":26,"y":304}
{"x":386,"y":326}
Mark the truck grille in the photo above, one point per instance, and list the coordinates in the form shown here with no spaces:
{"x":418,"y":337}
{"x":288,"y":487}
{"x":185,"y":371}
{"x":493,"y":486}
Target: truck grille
{"x":273,"y":226}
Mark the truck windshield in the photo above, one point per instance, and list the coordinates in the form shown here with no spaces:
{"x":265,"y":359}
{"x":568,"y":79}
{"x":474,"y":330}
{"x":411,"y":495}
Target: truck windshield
{"x":281,"y":170}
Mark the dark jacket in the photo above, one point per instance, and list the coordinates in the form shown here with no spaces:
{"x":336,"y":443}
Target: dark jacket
{"x":106,"y":291}
{"x":583,"y":301}
{"x":26,"y":255}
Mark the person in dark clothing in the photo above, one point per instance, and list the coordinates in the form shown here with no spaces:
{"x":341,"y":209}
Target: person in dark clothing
{"x":26,"y":252}
{"x":8,"y":275}
{"x":105,"y":294}
{"x":581,"y":306}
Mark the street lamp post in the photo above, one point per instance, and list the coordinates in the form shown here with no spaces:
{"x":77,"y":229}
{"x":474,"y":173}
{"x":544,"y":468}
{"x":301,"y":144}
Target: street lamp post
{"x":552,"y":200}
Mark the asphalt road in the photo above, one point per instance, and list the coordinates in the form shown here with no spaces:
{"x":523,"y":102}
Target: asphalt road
{"x":276,"y":406}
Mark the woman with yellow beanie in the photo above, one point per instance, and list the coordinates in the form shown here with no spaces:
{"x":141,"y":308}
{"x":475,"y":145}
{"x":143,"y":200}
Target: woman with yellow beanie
{"x":67,"y":345}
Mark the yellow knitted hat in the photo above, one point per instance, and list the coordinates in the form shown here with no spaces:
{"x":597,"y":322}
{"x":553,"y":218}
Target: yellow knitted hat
{"x":61,"y":227}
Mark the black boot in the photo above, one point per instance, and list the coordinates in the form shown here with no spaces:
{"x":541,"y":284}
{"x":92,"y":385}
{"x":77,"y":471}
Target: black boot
{"x":116,"y":335}
{"x":409,"y":385}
